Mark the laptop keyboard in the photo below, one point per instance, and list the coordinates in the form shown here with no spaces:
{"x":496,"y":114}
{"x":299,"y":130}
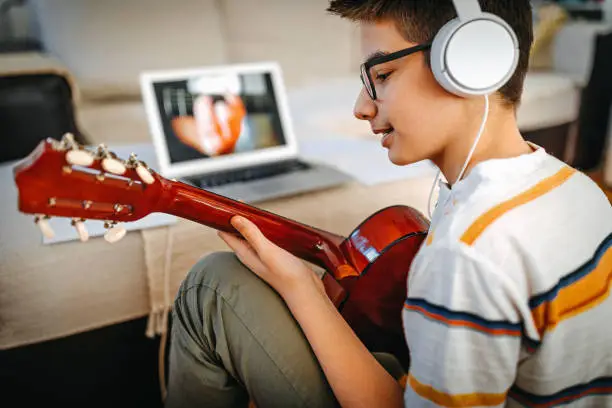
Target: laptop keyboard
{"x":252,"y":173}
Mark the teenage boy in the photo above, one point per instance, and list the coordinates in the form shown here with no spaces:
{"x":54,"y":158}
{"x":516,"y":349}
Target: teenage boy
{"x":508,"y":299}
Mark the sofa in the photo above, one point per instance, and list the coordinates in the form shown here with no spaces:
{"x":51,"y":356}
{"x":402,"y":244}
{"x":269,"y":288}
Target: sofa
{"x":81,"y":323}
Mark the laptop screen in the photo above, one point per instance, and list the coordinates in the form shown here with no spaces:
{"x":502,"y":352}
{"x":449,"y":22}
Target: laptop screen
{"x":210,"y":115}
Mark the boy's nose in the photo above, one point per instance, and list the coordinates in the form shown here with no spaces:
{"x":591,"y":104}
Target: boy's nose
{"x":365,"y":108}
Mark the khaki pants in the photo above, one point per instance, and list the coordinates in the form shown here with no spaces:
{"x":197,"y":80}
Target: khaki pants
{"x":234,"y":339}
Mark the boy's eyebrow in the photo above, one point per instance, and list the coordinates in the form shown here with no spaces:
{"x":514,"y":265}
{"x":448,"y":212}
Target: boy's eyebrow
{"x":376,"y":54}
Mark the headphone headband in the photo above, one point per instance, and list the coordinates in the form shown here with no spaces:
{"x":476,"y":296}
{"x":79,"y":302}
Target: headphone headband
{"x":467,"y":9}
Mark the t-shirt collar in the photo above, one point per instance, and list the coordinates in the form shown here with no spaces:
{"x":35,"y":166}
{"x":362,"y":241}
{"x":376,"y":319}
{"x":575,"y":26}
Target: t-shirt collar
{"x":496,"y":169}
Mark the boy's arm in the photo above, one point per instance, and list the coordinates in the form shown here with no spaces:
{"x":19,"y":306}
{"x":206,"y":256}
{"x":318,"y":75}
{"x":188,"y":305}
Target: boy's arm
{"x":356,"y":378}
{"x":463,"y":326}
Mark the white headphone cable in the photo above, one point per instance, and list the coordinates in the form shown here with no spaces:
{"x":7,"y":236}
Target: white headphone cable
{"x":485,"y":117}
{"x":431,"y":194}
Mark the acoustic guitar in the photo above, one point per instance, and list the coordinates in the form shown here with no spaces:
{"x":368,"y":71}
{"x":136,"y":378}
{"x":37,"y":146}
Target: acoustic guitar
{"x":366,"y":271}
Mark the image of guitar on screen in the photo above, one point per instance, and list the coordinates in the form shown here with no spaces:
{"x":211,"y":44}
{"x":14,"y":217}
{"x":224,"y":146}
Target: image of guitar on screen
{"x":215,"y":115}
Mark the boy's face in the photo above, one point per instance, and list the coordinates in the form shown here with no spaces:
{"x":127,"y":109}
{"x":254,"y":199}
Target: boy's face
{"x":423,"y":116}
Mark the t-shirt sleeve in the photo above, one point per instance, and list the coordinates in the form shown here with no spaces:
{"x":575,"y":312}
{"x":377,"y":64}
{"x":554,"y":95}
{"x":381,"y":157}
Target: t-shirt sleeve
{"x":463,"y":328}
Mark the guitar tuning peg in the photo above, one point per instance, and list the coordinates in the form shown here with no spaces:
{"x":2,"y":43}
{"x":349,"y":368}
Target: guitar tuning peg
{"x":144,"y":174}
{"x":68,"y":140}
{"x":43,"y":224}
{"x":81,"y":229}
{"x":115,"y":232}
{"x":78,"y":157}
{"x":141,"y":169}
{"x":112,"y":165}
{"x":102,"y":150}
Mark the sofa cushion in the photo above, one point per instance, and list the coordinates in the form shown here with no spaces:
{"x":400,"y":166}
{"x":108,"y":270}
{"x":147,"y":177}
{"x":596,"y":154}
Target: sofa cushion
{"x":121,"y":122}
{"x":106,"y":44}
{"x":548,"y":100}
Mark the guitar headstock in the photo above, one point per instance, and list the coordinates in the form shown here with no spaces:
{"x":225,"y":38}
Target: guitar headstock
{"x":65,"y":179}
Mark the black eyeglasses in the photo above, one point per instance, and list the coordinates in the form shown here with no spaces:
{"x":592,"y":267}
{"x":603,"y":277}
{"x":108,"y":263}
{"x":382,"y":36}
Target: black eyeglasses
{"x":366,"y":78}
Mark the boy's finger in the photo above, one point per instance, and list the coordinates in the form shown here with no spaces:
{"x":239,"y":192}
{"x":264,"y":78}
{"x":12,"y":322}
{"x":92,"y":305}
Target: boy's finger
{"x":250,"y":232}
{"x":243,"y":251}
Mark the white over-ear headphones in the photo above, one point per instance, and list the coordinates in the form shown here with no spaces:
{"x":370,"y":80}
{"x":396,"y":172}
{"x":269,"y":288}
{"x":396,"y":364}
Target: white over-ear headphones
{"x":474,"y":54}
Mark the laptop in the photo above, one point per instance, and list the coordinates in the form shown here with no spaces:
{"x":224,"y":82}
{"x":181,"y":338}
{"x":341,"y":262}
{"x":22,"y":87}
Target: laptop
{"x":227,"y":129}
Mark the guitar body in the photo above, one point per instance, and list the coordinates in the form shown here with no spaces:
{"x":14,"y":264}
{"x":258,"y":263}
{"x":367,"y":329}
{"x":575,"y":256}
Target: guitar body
{"x":388,"y":240}
{"x":366,"y":271}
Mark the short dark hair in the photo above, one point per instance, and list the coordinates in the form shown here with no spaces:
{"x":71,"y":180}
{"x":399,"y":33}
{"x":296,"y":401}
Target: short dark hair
{"x":419,"y":20}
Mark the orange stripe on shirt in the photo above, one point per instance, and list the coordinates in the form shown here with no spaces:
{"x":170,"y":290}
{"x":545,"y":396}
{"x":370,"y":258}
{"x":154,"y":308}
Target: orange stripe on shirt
{"x":543,"y":187}
{"x":430,"y":238}
{"x":579,"y":297}
{"x":455,"y":400}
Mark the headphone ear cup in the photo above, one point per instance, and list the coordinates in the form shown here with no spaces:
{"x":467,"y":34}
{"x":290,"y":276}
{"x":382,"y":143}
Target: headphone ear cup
{"x":476,"y":57}
{"x":437,"y":55}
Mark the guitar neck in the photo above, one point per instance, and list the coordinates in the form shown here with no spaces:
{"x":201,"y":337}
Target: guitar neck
{"x":310,"y":244}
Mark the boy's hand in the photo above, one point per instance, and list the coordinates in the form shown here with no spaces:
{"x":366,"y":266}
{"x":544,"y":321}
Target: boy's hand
{"x":286,"y":273}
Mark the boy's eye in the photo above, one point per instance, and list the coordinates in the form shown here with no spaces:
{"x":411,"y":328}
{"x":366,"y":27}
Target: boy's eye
{"x":381,"y":77}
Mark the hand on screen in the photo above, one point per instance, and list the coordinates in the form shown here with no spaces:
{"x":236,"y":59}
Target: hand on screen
{"x":215,"y":128}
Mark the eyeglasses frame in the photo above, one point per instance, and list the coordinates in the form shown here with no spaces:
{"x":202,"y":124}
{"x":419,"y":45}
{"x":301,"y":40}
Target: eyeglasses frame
{"x":366,"y":66}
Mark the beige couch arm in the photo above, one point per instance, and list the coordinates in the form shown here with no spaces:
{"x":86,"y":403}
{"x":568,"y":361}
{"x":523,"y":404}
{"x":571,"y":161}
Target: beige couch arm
{"x":33,"y":63}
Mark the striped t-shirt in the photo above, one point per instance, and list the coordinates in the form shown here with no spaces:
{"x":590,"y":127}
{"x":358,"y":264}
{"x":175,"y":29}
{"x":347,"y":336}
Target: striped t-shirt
{"x":509,"y":297}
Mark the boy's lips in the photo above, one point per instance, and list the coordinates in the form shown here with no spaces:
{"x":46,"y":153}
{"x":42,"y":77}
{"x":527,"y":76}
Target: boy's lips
{"x":386,"y":133}
{"x":386,"y":140}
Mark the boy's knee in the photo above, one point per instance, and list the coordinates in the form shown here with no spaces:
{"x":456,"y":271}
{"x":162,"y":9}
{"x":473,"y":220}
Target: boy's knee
{"x":211,"y":269}
{"x":219,"y":288}
{"x":224,"y":274}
